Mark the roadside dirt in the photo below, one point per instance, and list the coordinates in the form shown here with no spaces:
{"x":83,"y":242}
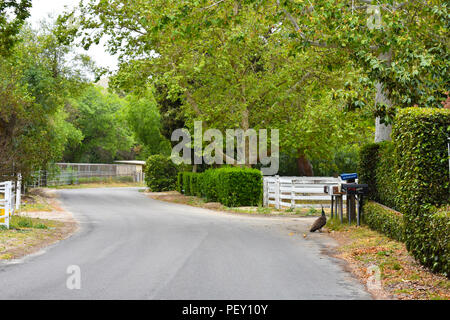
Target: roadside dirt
{"x":53,"y":224}
{"x":385,"y":266}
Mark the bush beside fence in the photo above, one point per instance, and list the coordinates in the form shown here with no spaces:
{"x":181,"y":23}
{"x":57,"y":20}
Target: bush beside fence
{"x":230,"y":186}
{"x":160,"y":173}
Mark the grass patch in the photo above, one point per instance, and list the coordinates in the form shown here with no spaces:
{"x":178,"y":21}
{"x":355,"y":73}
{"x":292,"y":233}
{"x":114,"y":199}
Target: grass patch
{"x":26,"y":233}
{"x":18,"y":223}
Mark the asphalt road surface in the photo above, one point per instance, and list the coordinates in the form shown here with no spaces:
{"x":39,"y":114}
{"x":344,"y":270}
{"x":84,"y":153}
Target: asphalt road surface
{"x":132,"y":247}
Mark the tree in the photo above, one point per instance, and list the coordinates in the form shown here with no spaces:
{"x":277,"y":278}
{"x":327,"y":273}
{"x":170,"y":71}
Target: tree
{"x":401,"y":46}
{"x":143,"y":117}
{"x":105,"y":134}
{"x":12,"y":16}
{"x":231,"y":65}
{"x":35,"y":82}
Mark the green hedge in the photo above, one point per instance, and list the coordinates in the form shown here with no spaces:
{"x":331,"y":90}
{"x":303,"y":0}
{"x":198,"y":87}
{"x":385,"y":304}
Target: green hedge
{"x":229,"y":186}
{"x":385,"y":175}
{"x":160,"y":173}
{"x":210,"y":180}
{"x":180,"y":182}
{"x":367,"y":164}
{"x":187,"y":183}
{"x":411,"y":175}
{"x":420,"y":137}
{"x":239,"y":187}
{"x":384,"y":220}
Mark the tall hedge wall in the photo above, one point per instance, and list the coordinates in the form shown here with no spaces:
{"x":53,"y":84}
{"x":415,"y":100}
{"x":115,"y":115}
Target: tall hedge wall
{"x":367,"y":165}
{"x":376,"y":167}
{"x":230,"y":186}
{"x":421,"y":152}
{"x":385,"y":175}
{"x":411,"y":174}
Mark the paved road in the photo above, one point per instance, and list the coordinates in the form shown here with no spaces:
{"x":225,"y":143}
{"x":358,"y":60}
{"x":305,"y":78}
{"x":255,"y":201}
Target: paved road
{"x":133,"y":247}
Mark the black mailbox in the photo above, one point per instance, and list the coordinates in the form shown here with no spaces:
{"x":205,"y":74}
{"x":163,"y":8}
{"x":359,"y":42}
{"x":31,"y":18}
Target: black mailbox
{"x":355,"y":189}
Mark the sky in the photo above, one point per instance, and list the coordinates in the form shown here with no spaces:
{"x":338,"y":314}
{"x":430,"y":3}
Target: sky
{"x":41,"y":10}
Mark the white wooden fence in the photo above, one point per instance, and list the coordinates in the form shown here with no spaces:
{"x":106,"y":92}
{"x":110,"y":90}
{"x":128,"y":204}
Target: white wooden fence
{"x":10,"y":198}
{"x":286,"y":191}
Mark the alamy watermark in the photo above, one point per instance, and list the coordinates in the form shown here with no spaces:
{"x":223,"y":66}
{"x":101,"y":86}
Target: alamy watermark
{"x":374,"y":20}
{"x":238,"y":151}
{"x":374,"y":279}
{"x":73,"y":282}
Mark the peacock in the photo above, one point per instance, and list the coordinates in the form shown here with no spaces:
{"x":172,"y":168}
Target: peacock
{"x":319,"y":223}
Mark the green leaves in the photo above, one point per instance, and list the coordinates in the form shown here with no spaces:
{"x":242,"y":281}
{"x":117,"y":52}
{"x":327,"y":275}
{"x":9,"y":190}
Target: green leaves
{"x":160,"y":173}
{"x":411,"y":174}
{"x":233,"y":187}
{"x":12,"y":17}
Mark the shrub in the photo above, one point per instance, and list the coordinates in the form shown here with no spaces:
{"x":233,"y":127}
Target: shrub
{"x":411,"y":175}
{"x":180,"y":182}
{"x":420,"y":137}
{"x":421,"y":150}
{"x":384,"y":220}
{"x":187,"y":183}
{"x":368,"y":158}
{"x":200,"y":189}
{"x":209,"y":184}
{"x":239,"y":187}
{"x":438,"y":252}
{"x":160,"y":173}
{"x":385,"y":175}
{"x":230,"y":186}
{"x":193,"y":183}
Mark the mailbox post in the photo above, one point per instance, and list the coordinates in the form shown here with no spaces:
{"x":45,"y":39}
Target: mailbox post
{"x":355,"y":193}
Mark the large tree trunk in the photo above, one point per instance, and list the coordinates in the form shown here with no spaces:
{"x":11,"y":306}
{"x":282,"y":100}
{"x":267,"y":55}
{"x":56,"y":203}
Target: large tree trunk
{"x":304,"y":166}
{"x":382,"y":131}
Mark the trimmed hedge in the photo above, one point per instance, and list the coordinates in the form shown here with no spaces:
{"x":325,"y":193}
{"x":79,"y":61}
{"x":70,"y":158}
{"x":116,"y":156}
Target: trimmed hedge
{"x":411,"y":174}
{"x":180,"y":182}
{"x":160,"y":173}
{"x":367,"y":165}
{"x":421,"y":153}
{"x":376,"y":167}
{"x":230,"y":186}
{"x":384,"y":220}
{"x":239,"y":187}
{"x":385,"y":175}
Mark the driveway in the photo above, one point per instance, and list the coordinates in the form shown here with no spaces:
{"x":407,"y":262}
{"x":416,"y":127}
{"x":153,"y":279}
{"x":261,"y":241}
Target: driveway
{"x":132,"y":247}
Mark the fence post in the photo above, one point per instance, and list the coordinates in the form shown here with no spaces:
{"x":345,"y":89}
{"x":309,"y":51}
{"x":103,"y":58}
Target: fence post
{"x":8,"y":189}
{"x":265,"y":192}
{"x":277,"y":192}
{"x":293,"y":193}
{"x":18,"y":191}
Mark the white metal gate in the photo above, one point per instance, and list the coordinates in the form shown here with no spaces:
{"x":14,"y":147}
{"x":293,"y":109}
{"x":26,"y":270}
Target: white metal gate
{"x":10,"y":198}
{"x":6,"y":202}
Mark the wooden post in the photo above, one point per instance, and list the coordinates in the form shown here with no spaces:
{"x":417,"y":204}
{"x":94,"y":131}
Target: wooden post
{"x":332,"y":205}
{"x":341,"y":207}
{"x":293,"y":194}
{"x":359,"y":210}
{"x":277,"y":192}
{"x":266,"y":192}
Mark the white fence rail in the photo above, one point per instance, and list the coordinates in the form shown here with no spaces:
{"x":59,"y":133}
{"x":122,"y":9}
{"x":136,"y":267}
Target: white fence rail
{"x":9,"y":200}
{"x":288,"y":191}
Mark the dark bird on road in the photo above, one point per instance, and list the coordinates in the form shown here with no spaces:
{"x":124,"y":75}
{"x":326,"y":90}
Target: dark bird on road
{"x":319,"y":223}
